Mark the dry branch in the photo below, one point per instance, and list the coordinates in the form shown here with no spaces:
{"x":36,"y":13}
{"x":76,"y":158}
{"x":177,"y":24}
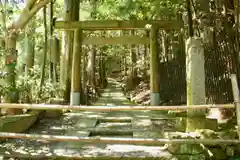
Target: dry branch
{"x":30,"y":4}
{"x":27,"y":14}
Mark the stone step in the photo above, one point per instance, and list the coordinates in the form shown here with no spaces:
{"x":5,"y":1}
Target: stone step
{"x":78,"y":130}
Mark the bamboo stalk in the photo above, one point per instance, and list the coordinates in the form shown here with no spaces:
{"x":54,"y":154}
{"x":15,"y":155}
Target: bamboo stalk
{"x":110,"y":108}
{"x":68,"y":157}
{"x":236,"y":97}
{"x":109,"y":140}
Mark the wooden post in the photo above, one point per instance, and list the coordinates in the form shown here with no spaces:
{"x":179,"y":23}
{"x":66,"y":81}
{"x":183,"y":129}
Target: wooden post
{"x":76,"y":68}
{"x":154,"y":70}
{"x":236,"y":97}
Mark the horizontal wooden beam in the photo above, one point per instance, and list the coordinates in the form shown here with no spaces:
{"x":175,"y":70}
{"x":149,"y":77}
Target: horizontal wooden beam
{"x":110,"y":108}
{"x":116,"y":40}
{"x":113,"y":140}
{"x":118,"y":25}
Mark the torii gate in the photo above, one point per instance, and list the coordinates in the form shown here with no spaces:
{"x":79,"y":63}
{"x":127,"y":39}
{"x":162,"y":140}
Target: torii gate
{"x":152,"y":25}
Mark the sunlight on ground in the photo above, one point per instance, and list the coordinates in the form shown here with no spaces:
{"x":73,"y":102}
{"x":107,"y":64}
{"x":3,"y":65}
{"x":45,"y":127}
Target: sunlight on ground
{"x":110,"y":104}
{"x":114,"y":125}
{"x":116,"y":118}
{"x":58,"y":128}
{"x":116,"y":151}
{"x":74,"y":123}
{"x":145,"y":122}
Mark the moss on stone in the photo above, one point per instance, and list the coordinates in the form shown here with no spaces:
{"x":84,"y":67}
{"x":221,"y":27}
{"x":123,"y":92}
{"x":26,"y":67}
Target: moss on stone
{"x":201,"y":123}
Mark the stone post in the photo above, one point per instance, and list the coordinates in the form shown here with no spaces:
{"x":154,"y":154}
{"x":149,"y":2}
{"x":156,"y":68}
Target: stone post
{"x":196,"y":95}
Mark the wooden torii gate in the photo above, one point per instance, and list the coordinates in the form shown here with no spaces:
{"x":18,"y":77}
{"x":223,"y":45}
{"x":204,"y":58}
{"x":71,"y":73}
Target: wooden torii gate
{"x":152,"y":25}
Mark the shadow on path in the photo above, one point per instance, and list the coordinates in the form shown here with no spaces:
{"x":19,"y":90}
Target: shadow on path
{"x":84,"y":123}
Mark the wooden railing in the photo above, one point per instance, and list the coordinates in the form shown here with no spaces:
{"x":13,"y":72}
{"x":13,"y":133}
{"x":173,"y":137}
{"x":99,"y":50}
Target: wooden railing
{"x":145,"y":141}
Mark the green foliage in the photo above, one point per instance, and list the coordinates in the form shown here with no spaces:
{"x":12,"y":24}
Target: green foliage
{"x":28,"y":86}
{"x":138,"y":9}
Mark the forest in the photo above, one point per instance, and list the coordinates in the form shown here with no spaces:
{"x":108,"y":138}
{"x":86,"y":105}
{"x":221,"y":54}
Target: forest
{"x":113,"y":79}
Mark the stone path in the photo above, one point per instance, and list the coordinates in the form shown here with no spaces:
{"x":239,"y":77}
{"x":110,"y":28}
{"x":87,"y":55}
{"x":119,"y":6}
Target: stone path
{"x":137,"y":124}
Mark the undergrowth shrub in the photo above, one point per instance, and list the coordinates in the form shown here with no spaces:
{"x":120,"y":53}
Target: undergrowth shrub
{"x":28,"y":89}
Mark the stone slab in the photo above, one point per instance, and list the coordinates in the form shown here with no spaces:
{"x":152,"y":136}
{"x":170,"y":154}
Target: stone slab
{"x":18,"y":123}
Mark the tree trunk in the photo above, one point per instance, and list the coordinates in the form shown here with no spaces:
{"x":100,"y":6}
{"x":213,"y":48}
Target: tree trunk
{"x":54,"y":49}
{"x":165,"y":46}
{"x":144,"y":57}
{"x":102,"y":73}
{"x":31,"y":8}
{"x":68,"y":71}
{"x":51,"y":64}
{"x":84,"y":78}
{"x":133,"y":58}
{"x":91,"y":67}
{"x":11,"y":57}
{"x":2,"y":38}
{"x":44,"y":58}
{"x":29,"y":46}
{"x":125,"y":65}
{"x":68,"y":49}
{"x":63,"y":59}
{"x":71,"y":13}
{"x":29,"y":54}
{"x":203,"y":11}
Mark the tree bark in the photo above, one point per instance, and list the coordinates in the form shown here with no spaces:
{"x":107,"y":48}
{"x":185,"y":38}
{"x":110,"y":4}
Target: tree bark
{"x":165,"y":46}
{"x":71,"y":13}
{"x":102,"y":73}
{"x":28,"y":12}
{"x":84,"y":78}
{"x":91,"y":67}
{"x":29,"y":46}
{"x":51,"y":64}
{"x":55,"y":55}
{"x":63,"y":59}
{"x":11,"y":57}
{"x":44,"y":58}
{"x":133,"y":59}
